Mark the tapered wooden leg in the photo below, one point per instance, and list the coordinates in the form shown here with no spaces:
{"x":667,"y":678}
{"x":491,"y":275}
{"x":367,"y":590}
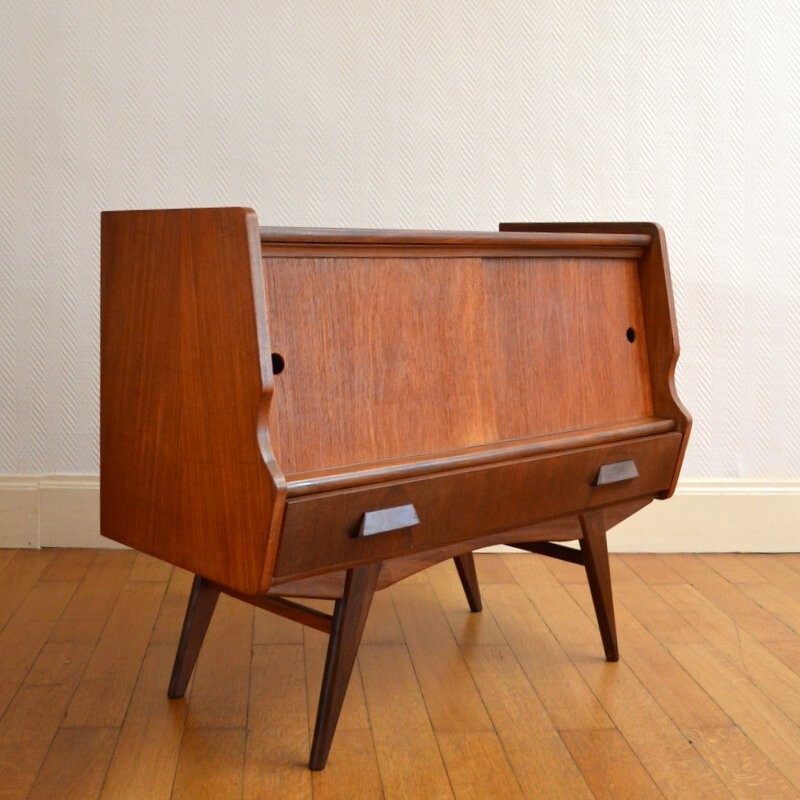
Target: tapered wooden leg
{"x":349,"y":618}
{"x":202,"y":601}
{"x":465,"y":564}
{"x":595,"y":556}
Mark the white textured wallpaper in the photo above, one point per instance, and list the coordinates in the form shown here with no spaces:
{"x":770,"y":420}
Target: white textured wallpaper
{"x":409,"y":114}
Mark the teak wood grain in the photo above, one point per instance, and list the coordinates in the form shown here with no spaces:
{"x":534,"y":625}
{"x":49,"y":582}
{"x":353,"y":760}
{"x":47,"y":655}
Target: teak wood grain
{"x":658,"y":308}
{"x":423,"y":355}
{"x":185,"y":389}
{"x":267,"y":391}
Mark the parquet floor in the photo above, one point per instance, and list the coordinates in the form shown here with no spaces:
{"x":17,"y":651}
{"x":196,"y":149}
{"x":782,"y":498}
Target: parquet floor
{"x":513,"y":702}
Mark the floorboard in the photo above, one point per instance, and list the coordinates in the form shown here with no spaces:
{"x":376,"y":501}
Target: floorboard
{"x":514,"y":702}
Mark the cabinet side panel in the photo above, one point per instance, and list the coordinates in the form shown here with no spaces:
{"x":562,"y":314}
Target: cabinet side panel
{"x":184,"y":393}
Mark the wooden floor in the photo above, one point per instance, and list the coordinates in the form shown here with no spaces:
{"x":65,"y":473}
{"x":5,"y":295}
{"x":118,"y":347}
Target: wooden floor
{"x":513,"y":702}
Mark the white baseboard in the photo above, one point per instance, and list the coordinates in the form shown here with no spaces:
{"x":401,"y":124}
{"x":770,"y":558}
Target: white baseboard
{"x":19,"y":512}
{"x":51,"y":511}
{"x":702,"y":517}
{"x":716,"y":517}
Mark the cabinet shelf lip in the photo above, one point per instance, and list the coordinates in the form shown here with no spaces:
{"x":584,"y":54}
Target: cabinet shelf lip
{"x":357,"y":475}
{"x":501,"y":239}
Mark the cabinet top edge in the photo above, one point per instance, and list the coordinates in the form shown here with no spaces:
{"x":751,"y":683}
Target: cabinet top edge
{"x":368,"y":236}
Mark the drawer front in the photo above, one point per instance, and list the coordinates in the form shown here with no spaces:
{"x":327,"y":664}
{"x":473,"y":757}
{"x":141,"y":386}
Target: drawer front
{"x":321,"y":532}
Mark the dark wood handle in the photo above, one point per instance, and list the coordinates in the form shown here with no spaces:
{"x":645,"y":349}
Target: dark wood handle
{"x":617,"y":472}
{"x":386,"y":520}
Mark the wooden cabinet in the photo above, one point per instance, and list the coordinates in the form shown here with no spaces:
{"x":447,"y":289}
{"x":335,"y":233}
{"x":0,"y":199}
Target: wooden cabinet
{"x":297,"y":413}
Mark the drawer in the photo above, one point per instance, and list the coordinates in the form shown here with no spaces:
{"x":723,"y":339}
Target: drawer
{"x":321,"y":531}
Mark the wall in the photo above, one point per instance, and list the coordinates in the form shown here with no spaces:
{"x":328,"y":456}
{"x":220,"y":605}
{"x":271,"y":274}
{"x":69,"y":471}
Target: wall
{"x":409,"y":114}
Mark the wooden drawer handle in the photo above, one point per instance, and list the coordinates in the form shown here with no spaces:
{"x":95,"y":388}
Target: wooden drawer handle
{"x":386,"y":520}
{"x":616,"y":473}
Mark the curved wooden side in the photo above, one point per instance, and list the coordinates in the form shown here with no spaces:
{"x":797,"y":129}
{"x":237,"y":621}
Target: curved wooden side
{"x":187,"y":472}
{"x":663,"y":329}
